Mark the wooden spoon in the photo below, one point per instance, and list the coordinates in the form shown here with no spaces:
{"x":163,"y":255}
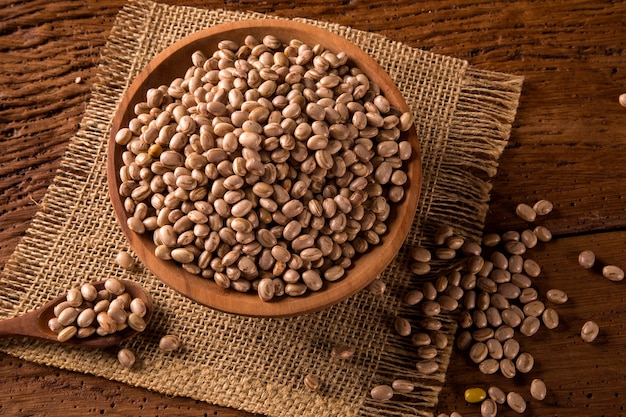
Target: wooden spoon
{"x":34,"y":324}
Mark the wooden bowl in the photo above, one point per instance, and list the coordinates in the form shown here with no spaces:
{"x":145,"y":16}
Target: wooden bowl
{"x":172,"y":63}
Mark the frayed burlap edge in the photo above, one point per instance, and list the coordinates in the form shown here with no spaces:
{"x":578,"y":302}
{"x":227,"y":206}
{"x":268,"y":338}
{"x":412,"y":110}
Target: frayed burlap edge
{"x":460,"y":147}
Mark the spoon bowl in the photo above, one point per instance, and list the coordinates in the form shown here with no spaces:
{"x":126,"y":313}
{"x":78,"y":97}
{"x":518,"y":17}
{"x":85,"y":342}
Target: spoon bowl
{"x":34,"y":324}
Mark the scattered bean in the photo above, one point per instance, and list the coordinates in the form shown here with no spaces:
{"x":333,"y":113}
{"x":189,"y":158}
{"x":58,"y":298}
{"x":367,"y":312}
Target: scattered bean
{"x":489,"y":366}
{"x":525,"y":212}
{"x":516,"y":402}
{"x":421,"y":254}
{"x":475,"y":395}
{"x":538,"y":389}
{"x":169,"y":343}
{"x":431,"y":308}
{"x":586,"y":259}
{"x":402,"y":386}
{"x":491,"y":240}
{"x":543,"y":207}
{"x":557,"y":296}
{"x":507,"y":368}
{"x":478,"y":352}
{"x":382,"y":392}
{"x":495,"y":348}
{"x":534,"y":308}
{"x":589,"y":331}
{"x":427,"y":352}
{"x":543,"y":233}
{"x":488,"y":408}
{"x":126,"y":357}
{"x":496,"y":394}
{"x":427,"y":367}
{"x":413,"y":297}
{"x":550,"y":318}
{"x":529,"y":239}
{"x":464,"y":340}
{"x":125,"y":260}
{"x":420,"y":268}
{"x":402,"y":326}
{"x":377,"y":287}
{"x":530,"y":325}
{"x":312,"y":382}
{"x":613,"y":272}
{"x":524,"y":362}
{"x":510,"y":348}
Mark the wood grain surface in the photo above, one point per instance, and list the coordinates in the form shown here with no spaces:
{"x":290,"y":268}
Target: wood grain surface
{"x":567,"y":145}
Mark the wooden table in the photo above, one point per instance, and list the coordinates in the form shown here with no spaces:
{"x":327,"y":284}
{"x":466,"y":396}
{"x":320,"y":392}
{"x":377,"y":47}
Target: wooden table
{"x":567,"y":145}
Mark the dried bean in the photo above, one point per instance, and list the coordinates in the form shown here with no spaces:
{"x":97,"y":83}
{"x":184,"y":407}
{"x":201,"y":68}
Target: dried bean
{"x":312,"y":382}
{"x":66,"y":333}
{"x":543,"y":207}
{"x":543,"y":234}
{"x":488,"y":408}
{"x":613,"y":272}
{"x":524,"y":362}
{"x":427,"y":367}
{"x":474,"y":395}
{"x":589,"y":331}
{"x":525,"y":212}
{"x":426,"y":352}
{"x":510,"y":348}
{"x":126,"y":357}
{"x":413,"y":297}
{"x":402,"y":386}
{"x":516,"y":402}
{"x":550,"y":318}
{"x":420,"y":254}
{"x":489,"y":366}
{"x":534,"y":308}
{"x":557,"y":296}
{"x":491,"y":240}
{"x":402,"y":326}
{"x":586,"y":259}
{"x":496,"y":394}
{"x":538,"y":389}
{"x":478,"y":352}
{"x":382,"y":392}
{"x":507,"y":368}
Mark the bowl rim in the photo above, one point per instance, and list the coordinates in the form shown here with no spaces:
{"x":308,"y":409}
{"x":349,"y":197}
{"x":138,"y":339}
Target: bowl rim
{"x":205,"y":291}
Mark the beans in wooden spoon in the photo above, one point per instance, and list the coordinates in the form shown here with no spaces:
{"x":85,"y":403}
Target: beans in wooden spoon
{"x":35,"y":324}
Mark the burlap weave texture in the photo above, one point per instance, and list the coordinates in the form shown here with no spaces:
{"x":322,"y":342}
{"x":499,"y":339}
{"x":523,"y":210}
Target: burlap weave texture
{"x":463,"y":117}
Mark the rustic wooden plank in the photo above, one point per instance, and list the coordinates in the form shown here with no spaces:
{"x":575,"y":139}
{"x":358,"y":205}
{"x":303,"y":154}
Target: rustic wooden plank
{"x":566,"y":145}
{"x":35,"y":390}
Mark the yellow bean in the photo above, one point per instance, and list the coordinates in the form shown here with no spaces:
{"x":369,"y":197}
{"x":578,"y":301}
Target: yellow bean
{"x":475,"y":395}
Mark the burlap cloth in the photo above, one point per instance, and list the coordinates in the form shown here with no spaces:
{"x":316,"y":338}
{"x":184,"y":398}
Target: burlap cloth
{"x":463,"y":117}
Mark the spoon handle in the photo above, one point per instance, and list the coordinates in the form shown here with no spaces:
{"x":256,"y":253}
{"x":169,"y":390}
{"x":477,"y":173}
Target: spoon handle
{"x":12,"y":327}
{"x":22,"y":326}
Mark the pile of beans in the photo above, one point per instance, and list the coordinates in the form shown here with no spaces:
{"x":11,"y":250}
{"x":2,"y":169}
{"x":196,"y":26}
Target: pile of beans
{"x":489,"y":288}
{"x":267,"y":167}
{"x":87,"y":311}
